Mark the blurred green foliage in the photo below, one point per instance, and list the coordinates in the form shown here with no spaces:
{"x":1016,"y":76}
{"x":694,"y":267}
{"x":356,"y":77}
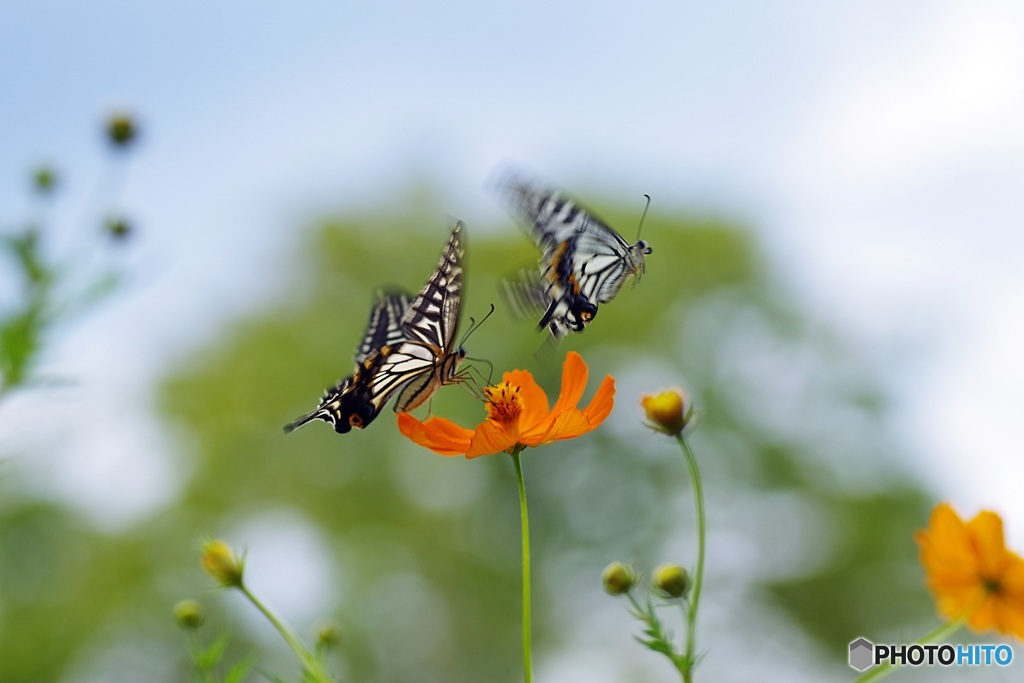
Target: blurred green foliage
{"x":424,"y":549}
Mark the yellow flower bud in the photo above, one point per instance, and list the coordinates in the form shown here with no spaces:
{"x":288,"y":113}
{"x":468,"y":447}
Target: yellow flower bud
{"x":671,"y":580}
{"x":189,"y":614}
{"x":221,"y":562}
{"x":668,"y":411}
{"x":618,"y":578}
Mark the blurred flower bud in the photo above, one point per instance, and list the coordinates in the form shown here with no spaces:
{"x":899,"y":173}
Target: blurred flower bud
{"x":328,"y":634}
{"x":118,"y":228}
{"x":221,"y":562}
{"x":44,"y":179}
{"x":668,"y":411}
{"x":671,"y":580}
{"x":618,"y":578}
{"x":188,"y":614}
{"x":121,"y":130}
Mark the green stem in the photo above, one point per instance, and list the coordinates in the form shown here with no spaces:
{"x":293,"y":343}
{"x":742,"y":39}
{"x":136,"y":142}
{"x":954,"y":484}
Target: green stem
{"x":691,"y":617}
{"x":939,"y":634}
{"x":524,"y":518}
{"x":309,"y":662}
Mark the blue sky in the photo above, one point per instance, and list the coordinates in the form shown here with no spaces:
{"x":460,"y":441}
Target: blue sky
{"x":875,"y":147}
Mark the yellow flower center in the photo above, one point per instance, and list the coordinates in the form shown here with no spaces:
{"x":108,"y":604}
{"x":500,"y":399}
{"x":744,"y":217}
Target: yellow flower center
{"x":504,"y":405}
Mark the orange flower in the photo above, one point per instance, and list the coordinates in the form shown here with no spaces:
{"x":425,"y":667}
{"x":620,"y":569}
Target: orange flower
{"x":971,"y":573}
{"x":518,"y":415}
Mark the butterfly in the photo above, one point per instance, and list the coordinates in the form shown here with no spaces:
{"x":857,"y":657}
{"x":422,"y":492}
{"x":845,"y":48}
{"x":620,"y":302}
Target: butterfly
{"x":583,"y":261}
{"x":413,"y":354}
{"x":339,"y":403}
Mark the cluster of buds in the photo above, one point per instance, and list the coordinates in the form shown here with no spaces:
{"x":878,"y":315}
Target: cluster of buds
{"x":670,"y":581}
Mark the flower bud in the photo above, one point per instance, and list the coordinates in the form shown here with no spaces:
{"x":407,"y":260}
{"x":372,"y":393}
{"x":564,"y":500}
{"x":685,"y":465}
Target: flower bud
{"x":188,"y":614}
{"x":328,"y":634}
{"x":671,"y":580}
{"x":618,"y":578}
{"x":44,"y":179}
{"x":121,"y":130}
{"x":221,"y":562}
{"x":668,"y":411}
{"x":118,"y":228}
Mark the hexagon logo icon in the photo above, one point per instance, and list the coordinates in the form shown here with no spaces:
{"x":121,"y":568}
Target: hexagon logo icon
{"x":862,"y":653}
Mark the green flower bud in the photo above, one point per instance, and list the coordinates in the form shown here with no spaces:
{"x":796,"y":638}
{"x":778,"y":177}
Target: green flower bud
{"x":44,"y":178}
{"x":121,"y":130}
{"x":328,"y":634}
{"x":118,"y":228}
{"x":189,"y":614}
{"x":618,"y":578}
{"x":671,"y":580}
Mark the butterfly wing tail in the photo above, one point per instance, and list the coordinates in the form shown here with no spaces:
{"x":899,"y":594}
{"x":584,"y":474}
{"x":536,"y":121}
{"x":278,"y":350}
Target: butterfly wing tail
{"x":304,"y":420}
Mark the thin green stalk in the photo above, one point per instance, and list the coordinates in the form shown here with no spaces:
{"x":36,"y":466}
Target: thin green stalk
{"x":691,"y":617}
{"x":941,"y":633}
{"x":309,"y":662}
{"x":524,"y":518}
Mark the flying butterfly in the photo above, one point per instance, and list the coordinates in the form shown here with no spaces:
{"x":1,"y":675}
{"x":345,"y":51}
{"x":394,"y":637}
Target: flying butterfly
{"x":583,"y":263}
{"x":340,"y":406}
{"x":417,"y":358}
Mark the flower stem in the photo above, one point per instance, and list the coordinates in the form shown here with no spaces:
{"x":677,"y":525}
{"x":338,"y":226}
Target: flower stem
{"x":310,"y":663}
{"x":941,"y":633}
{"x":525,"y":527}
{"x":691,"y":617}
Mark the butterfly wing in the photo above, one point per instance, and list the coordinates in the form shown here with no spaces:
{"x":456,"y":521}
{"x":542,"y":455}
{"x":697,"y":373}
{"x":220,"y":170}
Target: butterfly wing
{"x":385,"y":325}
{"x":340,"y":402}
{"x":423,"y":360}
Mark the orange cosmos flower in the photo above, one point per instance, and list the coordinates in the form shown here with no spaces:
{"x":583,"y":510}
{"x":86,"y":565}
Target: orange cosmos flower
{"x":518,"y":415}
{"x":971,"y":573}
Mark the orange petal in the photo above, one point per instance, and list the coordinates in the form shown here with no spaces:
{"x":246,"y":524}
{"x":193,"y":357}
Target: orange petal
{"x":986,"y":530}
{"x":574,"y":381}
{"x":601,"y":405}
{"x":535,"y":401}
{"x":567,"y":424}
{"x":488,"y":439}
{"x":438,"y":434}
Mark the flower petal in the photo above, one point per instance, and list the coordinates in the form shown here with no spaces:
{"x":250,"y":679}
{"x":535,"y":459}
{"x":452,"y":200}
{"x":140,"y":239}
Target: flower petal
{"x":986,"y":531}
{"x":600,"y":406}
{"x":574,"y":381}
{"x":488,"y":439}
{"x":436,"y":433}
{"x":535,"y":401}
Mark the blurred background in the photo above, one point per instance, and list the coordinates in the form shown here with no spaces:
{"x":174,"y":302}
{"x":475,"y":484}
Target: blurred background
{"x":836,"y":224}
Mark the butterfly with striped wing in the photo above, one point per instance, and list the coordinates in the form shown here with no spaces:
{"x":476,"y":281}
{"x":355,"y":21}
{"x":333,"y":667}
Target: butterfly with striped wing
{"x":584,"y":262}
{"x":418,"y":355}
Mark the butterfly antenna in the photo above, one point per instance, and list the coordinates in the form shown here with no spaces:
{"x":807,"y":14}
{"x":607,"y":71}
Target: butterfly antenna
{"x":473,"y":325}
{"x":643,"y":216}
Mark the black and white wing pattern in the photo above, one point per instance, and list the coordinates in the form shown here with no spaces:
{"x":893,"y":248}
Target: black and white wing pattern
{"x":584,"y":262}
{"x":428,"y":358}
{"x":384,"y":328}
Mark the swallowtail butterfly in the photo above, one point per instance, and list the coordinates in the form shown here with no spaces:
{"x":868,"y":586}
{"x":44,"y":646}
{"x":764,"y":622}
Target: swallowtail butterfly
{"x":583,"y":261}
{"x":417,"y":356}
